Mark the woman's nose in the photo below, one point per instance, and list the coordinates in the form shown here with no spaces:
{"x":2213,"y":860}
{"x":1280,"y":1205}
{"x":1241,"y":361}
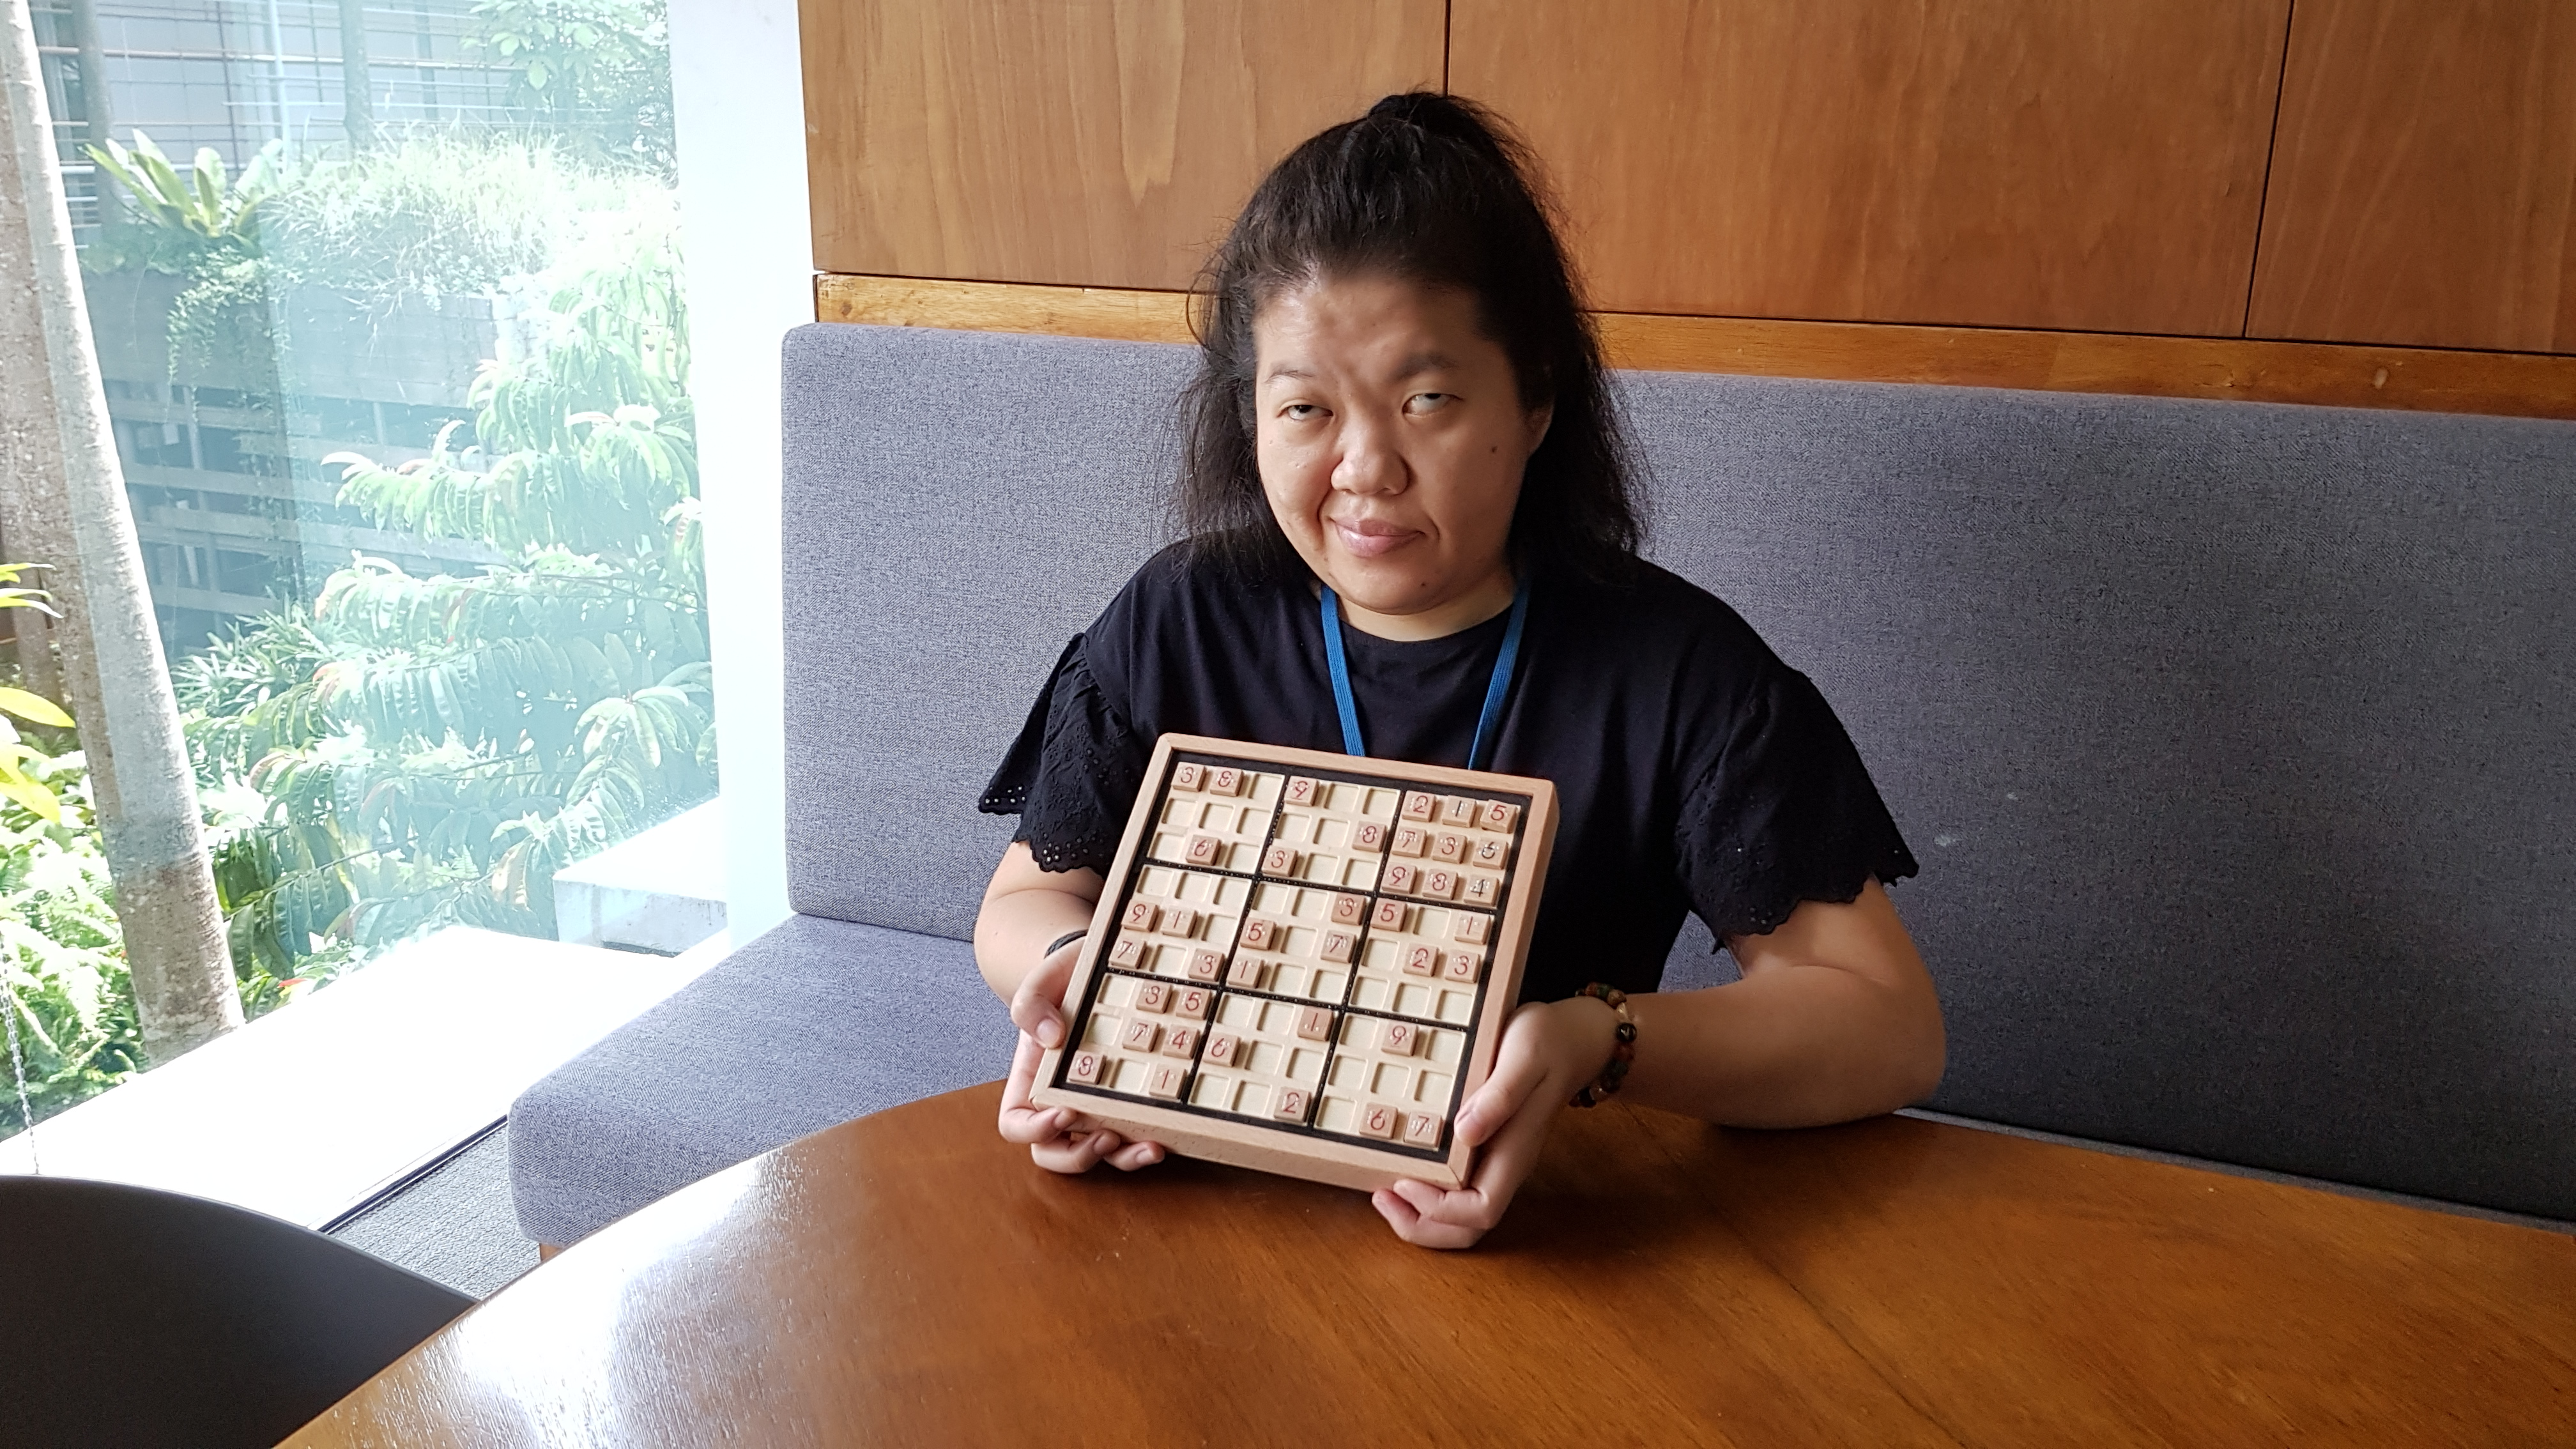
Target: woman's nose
{"x":1368,"y":463}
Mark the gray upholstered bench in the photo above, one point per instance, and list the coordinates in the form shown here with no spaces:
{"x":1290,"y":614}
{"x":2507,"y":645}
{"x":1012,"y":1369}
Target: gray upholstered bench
{"x":2236,"y":742}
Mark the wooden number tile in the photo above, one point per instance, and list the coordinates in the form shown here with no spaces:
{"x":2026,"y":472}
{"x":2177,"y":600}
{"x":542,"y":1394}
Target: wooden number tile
{"x":1421,"y":1129}
{"x":1180,"y":921}
{"x":1440,"y":885}
{"x":1368,"y":835}
{"x":1485,"y":890}
{"x":1192,"y":1001}
{"x":1448,"y":846}
{"x":1338,"y":947}
{"x":1389,"y":916}
{"x":1140,"y":1036}
{"x":1180,"y":1042}
{"x":1398,"y":1038}
{"x":1406,"y":878}
{"x":1469,"y":927}
{"x":1260,"y":934}
{"x":1499,"y":815}
{"x":1421,"y":807}
{"x":1085,"y":1067}
{"x":1421,"y":961}
{"x":1163,"y":1080}
{"x":1141,"y":915}
{"x":1458,"y":810}
{"x":1206,"y":965}
{"x":1221,"y":1048}
{"x":1246,"y":972}
{"x":1462,"y":966}
{"x":1315,"y":1023}
{"x":1493,"y":852}
{"x":1225,"y":780}
{"x":1412,"y":840}
{"x":1301,"y":790}
{"x":1203,"y":849}
{"x":1192,"y":778}
{"x":1289,"y":1104}
{"x":1153,"y":996}
{"x":1347,"y":910}
{"x":1377,"y":1119}
{"x":1281,"y":860}
{"x":1128,"y":954}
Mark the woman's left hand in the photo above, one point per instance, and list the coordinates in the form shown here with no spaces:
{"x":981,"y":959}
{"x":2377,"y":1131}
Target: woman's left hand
{"x":1549,"y":1052}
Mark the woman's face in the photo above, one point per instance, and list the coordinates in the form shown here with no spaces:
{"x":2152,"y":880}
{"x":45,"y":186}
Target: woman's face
{"x":1391,"y":442}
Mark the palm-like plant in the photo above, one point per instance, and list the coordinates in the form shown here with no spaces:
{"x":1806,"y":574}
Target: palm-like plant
{"x":205,"y":203}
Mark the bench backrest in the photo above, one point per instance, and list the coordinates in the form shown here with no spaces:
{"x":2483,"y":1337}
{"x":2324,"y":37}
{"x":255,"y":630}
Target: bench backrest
{"x":2235,"y":741}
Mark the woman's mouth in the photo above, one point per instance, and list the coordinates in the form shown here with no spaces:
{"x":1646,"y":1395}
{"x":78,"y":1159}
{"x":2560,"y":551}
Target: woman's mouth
{"x":1370,"y":537}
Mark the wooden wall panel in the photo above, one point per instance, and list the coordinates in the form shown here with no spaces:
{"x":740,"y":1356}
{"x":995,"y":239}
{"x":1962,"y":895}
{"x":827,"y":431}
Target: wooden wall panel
{"x":2026,"y":163}
{"x":2225,"y":369}
{"x":2424,"y":186}
{"x":1096,"y":142}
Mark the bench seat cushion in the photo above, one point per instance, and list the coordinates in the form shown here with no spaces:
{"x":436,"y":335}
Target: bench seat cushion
{"x":816,"y":1022}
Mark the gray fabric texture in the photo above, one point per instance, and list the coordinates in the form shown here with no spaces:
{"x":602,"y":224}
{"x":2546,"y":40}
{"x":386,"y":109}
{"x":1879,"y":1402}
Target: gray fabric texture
{"x":957,"y":506}
{"x":453,"y":1225}
{"x":2234,"y":741}
{"x":814,"y":1023}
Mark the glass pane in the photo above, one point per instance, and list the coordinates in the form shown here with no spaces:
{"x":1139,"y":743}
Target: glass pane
{"x":398,"y":374}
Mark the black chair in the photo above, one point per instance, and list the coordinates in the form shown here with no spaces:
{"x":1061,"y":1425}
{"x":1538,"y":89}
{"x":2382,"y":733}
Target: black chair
{"x":134,"y":1317}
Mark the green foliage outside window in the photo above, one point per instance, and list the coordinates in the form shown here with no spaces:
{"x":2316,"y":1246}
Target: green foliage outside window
{"x":434,"y":749}
{"x":598,"y":70}
{"x":61,"y":954}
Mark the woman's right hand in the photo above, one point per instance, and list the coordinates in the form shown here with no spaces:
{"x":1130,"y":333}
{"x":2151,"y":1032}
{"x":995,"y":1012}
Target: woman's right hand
{"x":1059,"y":1139}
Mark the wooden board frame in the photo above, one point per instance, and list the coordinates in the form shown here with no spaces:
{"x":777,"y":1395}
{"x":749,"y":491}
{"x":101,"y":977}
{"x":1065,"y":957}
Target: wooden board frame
{"x":2228,"y":369}
{"x":1306,"y":1151}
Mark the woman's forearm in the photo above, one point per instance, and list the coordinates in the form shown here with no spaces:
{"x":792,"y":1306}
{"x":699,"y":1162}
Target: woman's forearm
{"x":1796,"y":1046}
{"x":1835,"y":1019}
{"x":1025,"y":909}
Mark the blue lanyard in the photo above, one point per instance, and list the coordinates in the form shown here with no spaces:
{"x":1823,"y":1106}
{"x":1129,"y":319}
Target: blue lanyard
{"x":1483,"y":748}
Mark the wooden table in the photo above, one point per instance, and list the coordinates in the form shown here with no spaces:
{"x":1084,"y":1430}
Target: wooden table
{"x":910,"y":1279}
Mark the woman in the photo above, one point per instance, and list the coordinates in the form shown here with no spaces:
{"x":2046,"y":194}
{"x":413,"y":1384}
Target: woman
{"x":1401,"y":426}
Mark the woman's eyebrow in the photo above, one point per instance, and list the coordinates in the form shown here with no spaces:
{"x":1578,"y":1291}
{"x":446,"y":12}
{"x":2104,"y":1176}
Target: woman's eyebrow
{"x":1421,"y":362}
{"x":1280,"y":370}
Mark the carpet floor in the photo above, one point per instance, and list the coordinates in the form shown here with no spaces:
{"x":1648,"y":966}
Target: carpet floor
{"x":454,"y":1224}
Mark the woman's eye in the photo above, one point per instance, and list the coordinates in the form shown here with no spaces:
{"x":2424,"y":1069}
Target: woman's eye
{"x":1428,"y":402}
{"x":1301,"y":412}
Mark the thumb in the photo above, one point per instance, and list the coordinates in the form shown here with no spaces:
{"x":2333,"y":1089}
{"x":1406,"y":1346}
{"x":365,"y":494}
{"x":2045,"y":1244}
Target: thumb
{"x":1518,"y":1069}
{"x":1033,"y":1006}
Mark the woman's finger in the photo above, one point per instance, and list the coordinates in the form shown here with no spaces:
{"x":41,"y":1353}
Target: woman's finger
{"x":1075,"y":1152}
{"x":1034,"y":1005}
{"x":1017,"y":1086}
{"x":1135,"y":1155}
{"x":1415,"y":1228}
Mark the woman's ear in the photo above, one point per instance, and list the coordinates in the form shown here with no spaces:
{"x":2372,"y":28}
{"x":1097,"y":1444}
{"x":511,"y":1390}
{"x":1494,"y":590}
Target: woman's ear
{"x":1536,"y":420}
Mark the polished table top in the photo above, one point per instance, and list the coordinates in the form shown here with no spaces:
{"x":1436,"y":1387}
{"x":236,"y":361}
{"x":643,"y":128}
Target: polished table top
{"x":910,"y":1278}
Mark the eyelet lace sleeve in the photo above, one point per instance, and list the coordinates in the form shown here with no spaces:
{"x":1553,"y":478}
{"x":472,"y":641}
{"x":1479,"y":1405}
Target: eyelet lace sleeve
{"x":1072,"y":774}
{"x":1786,"y":813}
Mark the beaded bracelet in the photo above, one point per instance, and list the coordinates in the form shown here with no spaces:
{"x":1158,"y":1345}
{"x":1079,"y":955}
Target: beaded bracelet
{"x":1623,"y":1050}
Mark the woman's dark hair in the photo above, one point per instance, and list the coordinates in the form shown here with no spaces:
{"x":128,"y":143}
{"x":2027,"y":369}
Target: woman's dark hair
{"x":1434,"y":190}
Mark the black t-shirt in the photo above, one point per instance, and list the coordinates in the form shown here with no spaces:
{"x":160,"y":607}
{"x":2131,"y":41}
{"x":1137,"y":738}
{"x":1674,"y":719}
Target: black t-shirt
{"x":1694,"y":770}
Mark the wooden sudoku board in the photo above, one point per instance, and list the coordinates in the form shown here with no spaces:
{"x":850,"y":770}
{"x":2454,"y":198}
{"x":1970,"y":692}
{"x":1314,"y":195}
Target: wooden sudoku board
{"x":1303,"y":961}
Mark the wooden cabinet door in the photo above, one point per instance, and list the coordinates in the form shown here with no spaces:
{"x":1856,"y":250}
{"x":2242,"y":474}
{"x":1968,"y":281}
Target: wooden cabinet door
{"x":1100,"y":143}
{"x":2091,"y":164}
{"x":2424,"y":183}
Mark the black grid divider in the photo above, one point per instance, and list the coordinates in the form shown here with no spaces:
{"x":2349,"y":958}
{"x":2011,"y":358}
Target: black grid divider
{"x":1343,"y":1009}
